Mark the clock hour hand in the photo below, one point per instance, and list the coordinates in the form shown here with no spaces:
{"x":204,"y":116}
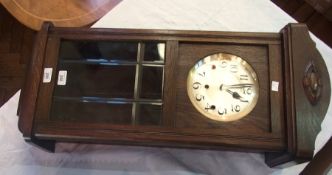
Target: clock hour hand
{"x":236,"y":95}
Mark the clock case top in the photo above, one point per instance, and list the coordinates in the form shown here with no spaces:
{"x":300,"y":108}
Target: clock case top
{"x":279,"y":122}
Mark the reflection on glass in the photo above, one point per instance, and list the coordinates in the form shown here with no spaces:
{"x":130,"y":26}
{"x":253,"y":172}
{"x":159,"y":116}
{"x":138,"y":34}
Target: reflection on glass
{"x":149,"y":114}
{"x":108,"y":50}
{"x":67,"y":110}
{"x":100,"y":82}
{"x":97,"y":80}
{"x":152,"y":82}
{"x":154,"y":52}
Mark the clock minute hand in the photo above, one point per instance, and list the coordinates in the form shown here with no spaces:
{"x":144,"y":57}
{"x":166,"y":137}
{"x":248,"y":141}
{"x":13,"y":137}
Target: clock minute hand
{"x":236,"y":95}
{"x":239,"y":85}
{"x":243,"y":85}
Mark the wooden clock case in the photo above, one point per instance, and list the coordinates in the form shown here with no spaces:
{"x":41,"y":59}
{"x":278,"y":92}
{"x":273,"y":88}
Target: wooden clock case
{"x":283,"y":124}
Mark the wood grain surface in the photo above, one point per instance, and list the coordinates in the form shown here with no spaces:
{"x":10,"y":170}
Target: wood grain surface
{"x":321,"y":164}
{"x":305,"y":117}
{"x":16,"y":43}
{"x":63,"y":13}
{"x":306,"y":11}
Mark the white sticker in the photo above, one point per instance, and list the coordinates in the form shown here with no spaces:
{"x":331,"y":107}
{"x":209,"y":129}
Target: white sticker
{"x":275,"y":86}
{"x":62,"y":77}
{"x":47,"y":77}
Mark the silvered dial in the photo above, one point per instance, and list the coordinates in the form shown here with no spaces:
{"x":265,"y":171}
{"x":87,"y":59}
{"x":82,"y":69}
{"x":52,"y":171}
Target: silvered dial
{"x":223,"y":87}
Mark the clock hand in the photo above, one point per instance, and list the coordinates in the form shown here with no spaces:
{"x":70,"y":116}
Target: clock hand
{"x":243,"y":85}
{"x":236,"y":95}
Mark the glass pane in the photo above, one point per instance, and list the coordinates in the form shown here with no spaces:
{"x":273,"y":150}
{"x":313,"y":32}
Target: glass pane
{"x":100,"y":50}
{"x":154,"y":52}
{"x":149,"y":114}
{"x":68,"y":110}
{"x":152,"y":82}
{"x":97,"y":80}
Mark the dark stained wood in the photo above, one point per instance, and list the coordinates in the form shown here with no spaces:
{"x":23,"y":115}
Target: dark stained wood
{"x":303,"y":12}
{"x":322,"y":162}
{"x":29,"y":93}
{"x":289,"y":98}
{"x":277,"y":114}
{"x":44,"y":99}
{"x":303,"y":118}
{"x":308,"y":117}
{"x":276,"y":158}
{"x":162,"y":35}
{"x":268,"y":128}
{"x":290,"y":6}
{"x":15,"y":52}
{"x":315,"y":13}
{"x":321,"y":27}
{"x":46,"y":145}
{"x":170,"y":83}
{"x":143,"y":134}
{"x":322,"y":6}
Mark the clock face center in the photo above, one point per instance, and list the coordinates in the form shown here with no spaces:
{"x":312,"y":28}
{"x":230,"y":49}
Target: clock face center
{"x":223,"y":87}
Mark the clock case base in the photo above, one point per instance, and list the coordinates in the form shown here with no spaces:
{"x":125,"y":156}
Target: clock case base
{"x":299,"y":118}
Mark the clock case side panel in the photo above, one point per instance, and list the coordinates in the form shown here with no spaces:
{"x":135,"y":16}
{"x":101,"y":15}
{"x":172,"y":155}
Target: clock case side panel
{"x":29,"y":93}
{"x":46,"y":89}
{"x":304,"y":116}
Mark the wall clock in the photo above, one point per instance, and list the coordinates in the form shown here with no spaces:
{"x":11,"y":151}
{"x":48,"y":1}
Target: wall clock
{"x":264,"y":92}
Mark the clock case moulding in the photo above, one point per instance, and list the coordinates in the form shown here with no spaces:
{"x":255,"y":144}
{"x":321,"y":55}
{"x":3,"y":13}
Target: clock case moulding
{"x":283,"y":124}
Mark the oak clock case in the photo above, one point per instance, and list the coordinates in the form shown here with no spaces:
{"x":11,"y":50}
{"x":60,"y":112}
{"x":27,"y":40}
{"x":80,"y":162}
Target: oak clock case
{"x":186,"y":89}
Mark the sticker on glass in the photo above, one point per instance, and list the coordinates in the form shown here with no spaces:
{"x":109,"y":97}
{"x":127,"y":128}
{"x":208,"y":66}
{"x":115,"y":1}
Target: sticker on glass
{"x":62,"y":77}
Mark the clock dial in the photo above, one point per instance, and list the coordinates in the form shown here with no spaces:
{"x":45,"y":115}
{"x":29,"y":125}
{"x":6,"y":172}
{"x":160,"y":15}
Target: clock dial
{"x":223,"y":87}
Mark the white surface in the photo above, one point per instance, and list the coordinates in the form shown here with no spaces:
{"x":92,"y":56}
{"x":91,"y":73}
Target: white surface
{"x":17,"y":157}
{"x":47,"y":77}
{"x":275,"y":86}
{"x":62,"y":77}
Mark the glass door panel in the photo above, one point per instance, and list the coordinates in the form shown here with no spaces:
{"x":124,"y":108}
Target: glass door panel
{"x":98,"y":50}
{"x":97,"y":81}
{"x":109,"y":81}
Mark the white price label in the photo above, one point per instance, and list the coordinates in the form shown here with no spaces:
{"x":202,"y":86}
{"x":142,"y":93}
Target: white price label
{"x":62,"y":77}
{"x":275,"y":86}
{"x":47,"y":76}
